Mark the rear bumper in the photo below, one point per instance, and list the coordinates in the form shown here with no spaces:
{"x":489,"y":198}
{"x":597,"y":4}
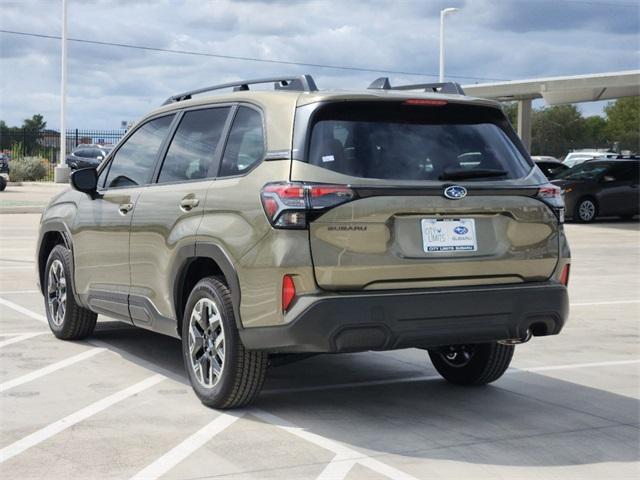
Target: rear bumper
{"x":427,"y":318}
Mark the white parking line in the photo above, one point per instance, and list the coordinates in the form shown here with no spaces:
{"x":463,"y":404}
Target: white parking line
{"x":611,"y":302}
{"x":572,"y":366}
{"x":49,"y":369}
{"x":17,"y":292}
{"x":17,"y":334}
{"x":54,"y":428}
{"x":337,"y":469}
{"x":340,"y":450}
{"x":20,"y":338}
{"x":192,"y":443}
{"x":24,"y":311}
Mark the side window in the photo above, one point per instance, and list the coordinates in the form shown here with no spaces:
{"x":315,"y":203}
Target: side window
{"x":194,"y":145}
{"x":245,"y":146}
{"x":133,"y":162}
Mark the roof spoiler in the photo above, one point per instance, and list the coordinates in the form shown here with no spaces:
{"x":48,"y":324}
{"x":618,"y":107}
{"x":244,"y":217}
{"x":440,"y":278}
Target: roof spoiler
{"x":382,"y":83}
{"x":302,"y":83}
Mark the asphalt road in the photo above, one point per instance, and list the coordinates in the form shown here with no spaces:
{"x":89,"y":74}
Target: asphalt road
{"x":119,"y":406}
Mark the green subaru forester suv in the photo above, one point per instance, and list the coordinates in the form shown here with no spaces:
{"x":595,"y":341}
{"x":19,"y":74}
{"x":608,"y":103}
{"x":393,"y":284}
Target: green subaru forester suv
{"x":252,"y":224}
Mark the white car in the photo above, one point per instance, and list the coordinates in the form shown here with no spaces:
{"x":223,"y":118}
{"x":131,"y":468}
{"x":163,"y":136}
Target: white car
{"x":574,"y":158}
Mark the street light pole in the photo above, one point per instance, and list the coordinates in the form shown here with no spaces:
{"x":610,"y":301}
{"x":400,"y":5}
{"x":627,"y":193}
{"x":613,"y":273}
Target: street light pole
{"x":61,"y":173}
{"x":443,"y":13}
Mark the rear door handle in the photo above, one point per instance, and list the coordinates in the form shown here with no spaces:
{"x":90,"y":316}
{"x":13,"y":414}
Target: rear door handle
{"x":187,"y":204}
{"x":125,"y":208}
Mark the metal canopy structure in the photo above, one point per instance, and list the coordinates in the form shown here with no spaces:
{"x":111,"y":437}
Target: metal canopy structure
{"x":558,"y":91}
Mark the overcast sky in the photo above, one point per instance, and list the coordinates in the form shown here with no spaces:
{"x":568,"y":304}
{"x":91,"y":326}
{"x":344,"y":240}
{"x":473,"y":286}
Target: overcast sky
{"x":487,"y":40}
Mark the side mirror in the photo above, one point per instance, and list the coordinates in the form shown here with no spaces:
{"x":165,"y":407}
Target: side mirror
{"x":608,"y":178}
{"x":85,"y":180}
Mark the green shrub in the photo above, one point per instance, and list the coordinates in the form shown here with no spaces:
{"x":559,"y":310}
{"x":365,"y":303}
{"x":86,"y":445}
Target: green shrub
{"x":27,"y":169}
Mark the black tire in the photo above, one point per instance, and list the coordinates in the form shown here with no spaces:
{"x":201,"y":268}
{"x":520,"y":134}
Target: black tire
{"x":582,"y":206}
{"x":3,"y":184}
{"x":478,"y":364}
{"x":242,"y":372}
{"x":74,"y":322}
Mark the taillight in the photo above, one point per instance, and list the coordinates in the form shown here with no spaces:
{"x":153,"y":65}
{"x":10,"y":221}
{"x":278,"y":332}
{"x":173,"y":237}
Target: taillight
{"x":288,"y":292}
{"x":290,"y":205}
{"x":564,"y":275}
{"x":552,"y":196}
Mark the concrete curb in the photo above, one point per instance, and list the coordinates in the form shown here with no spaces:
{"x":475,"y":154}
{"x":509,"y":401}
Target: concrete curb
{"x":37,"y":184}
{"x":15,"y":210}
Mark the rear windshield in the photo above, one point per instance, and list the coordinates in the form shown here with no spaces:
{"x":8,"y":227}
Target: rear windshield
{"x":406,"y":142}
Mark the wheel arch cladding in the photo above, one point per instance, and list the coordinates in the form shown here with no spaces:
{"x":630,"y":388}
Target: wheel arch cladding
{"x":51,"y":235}
{"x":194,"y":264}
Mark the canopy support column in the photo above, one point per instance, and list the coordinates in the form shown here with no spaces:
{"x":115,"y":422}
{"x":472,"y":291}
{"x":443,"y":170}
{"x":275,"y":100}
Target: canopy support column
{"x":524,"y":122}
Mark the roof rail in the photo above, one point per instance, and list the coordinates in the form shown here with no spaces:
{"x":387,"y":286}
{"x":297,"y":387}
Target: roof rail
{"x":302,"y":83}
{"x":383,"y":83}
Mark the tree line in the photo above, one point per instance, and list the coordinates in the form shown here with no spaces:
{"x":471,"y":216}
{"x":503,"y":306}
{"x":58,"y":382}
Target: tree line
{"x":559,"y":129}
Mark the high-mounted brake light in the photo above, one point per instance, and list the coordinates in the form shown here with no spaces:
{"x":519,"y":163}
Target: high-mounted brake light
{"x":552,"y":196}
{"x":288,"y":292}
{"x":289,"y":205}
{"x":427,"y":102}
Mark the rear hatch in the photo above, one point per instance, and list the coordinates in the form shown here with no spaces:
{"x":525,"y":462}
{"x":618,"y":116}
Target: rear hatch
{"x":443,"y":195}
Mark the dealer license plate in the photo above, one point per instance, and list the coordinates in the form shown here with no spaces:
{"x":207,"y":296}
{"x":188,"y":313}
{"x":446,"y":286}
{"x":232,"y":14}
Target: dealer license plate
{"x":449,"y":235}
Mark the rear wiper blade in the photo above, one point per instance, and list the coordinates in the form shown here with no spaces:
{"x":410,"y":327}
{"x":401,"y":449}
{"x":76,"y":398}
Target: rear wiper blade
{"x":477,"y":173}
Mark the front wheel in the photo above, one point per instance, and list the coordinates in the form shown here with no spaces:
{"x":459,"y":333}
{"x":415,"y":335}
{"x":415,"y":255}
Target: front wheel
{"x":222,"y":373}
{"x":473,"y":364}
{"x":67,"y":319}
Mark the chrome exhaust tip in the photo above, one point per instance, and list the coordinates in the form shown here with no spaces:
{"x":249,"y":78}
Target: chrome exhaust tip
{"x":517,"y":341}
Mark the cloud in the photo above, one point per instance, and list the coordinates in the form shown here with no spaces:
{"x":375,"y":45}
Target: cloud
{"x":488,"y":39}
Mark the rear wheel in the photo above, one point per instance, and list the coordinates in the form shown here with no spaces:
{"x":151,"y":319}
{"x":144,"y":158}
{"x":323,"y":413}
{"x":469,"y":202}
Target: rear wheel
{"x":222,"y":373}
{"x":586,"y":210}
{"x":67,"y":319}
{"x":473,"y":364}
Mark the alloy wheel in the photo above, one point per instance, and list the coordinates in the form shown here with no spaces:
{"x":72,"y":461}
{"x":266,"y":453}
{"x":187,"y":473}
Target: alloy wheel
{"x":206,"y":342}
{"x":57,"y":292}
{"x":586,"y":210}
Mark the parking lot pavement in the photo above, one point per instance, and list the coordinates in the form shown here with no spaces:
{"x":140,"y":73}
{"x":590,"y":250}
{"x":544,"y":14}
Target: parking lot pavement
{"x":119,"y":406}
{"x":28,"y":197}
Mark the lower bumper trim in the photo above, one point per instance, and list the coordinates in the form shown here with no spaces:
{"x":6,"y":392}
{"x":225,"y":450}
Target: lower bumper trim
{"x":350,"y":322}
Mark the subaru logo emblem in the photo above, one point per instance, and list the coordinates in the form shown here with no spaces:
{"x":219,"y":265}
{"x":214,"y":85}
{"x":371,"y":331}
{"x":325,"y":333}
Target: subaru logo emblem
{"x":455,"y":192}
{"x":460,"y":230}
